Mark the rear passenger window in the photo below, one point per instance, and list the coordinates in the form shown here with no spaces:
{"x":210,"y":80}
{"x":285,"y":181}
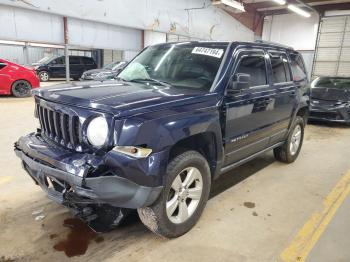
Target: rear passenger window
{"x":74,"y":60}
{"x":298,"y":69}
{"x":88,"y":61}
{"x":255,"y":66}
{"x":2,"y":65}
{"x":280,"y":68}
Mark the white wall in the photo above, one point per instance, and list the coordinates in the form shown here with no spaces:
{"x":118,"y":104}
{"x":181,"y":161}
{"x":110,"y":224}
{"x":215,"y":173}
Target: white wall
{"x":195,"y":18}
{"x":292,"y":30}
{"x":99,"y":35}
{"x":152,"y":38}
{"x":20,"y":24}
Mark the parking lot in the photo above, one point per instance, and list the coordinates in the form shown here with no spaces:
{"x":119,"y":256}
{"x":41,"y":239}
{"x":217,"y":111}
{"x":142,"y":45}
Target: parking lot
{"x":254,"y":214}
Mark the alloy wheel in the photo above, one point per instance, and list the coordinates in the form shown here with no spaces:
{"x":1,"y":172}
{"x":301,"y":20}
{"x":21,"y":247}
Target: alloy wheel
{"x":184,"y":195}
{"x":44,"y":76}
{"x":295,"y":140}
{"x":22,"y":88}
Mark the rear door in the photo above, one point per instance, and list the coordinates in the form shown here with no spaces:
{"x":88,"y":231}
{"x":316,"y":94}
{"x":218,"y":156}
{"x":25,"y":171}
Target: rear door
{"x":89,"y":63}
{"x":285,"y":100}
{"x":76,"y":66}
{"x":248,"y":121}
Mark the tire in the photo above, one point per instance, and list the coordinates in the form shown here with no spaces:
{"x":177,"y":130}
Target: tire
{"x":289,"y":151}
{"x":171,"y":222}
{"x":21,"y":88}
{"x":44,"y":76}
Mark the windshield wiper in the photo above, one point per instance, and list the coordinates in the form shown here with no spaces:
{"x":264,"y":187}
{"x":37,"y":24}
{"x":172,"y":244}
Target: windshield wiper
{"x":163,"y":83}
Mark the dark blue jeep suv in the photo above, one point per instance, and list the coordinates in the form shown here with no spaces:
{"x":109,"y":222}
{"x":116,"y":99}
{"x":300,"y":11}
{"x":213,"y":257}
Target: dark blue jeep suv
{"x":178,"y":116}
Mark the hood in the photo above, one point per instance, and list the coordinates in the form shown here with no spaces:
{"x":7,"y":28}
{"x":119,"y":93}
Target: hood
{"x":96,"y":71}
{"x":124,"y":98}
{"x":331,"y":94}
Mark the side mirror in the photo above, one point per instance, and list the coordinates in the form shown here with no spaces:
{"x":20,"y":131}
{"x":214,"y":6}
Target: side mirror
{"x":238,"y":82}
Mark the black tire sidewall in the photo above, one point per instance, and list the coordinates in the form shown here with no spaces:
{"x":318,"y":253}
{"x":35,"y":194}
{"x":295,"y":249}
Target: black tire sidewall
{"x":192,"y":159}
{"x":18,"y":94}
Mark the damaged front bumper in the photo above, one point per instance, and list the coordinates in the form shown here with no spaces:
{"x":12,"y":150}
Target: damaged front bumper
{"x":330,"y":113}
{"x":72,"y":178}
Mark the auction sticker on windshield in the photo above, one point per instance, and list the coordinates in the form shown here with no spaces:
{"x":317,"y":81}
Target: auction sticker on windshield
{"x":215,"y":52}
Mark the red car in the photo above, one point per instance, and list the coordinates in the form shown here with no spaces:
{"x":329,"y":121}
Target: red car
{"x":17,"y":80}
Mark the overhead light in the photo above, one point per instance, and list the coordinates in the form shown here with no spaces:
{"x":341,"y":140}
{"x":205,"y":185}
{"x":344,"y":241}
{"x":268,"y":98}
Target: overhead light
{"x":231,"y":5}
{"x":6,"y":42}
{"x":298,"y":10}
{"x":281,"y":2}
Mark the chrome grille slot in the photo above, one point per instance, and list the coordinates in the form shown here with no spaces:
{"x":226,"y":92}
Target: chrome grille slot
{"x":60,"y":127}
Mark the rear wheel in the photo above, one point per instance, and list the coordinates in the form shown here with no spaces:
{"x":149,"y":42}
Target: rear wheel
{"x":21,"y":88}
{"x":289,"y":151}
{"x":183,"y":199}
{"x":44,"y":76}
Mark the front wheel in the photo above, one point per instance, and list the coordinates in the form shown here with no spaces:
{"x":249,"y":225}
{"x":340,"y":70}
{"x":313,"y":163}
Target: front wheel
{"x":183,"y":199}
{"x":289,"y":151}
{"x":44,"y":76}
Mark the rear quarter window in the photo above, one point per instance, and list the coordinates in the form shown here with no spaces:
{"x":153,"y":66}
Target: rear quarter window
{"x":298,"y":68}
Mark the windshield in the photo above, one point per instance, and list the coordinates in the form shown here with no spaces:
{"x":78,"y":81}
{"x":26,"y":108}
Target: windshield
{"x":46,"y":59}
{"x":183,"y":65}
{"x":333,"y":82}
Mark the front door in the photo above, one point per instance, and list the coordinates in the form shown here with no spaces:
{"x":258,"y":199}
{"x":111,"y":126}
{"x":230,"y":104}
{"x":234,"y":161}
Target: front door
{"x":57,"y":67}
{"x":248,"y":124}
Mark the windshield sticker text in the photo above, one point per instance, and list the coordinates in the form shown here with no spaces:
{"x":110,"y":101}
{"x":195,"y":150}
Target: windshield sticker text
{"x":215,"y":52}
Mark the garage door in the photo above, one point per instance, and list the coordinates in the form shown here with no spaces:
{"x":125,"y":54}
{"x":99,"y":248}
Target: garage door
{"x":332,"y":56}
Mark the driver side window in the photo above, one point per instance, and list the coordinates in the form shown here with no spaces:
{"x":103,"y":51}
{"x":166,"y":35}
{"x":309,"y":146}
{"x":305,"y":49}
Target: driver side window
{"x":255,"y":66}
{"x":58,"y":61}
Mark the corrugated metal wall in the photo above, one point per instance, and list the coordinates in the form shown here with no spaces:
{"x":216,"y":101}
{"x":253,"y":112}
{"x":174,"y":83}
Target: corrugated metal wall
{"x":332,"y":56}
{"x":16,"y":53}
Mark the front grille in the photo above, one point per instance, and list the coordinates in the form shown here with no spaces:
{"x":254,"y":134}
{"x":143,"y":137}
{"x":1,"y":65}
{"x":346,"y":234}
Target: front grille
{"x":61,"y":128}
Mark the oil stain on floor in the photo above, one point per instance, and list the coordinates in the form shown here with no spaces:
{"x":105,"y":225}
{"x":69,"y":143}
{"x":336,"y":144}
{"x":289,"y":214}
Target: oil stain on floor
{"x":249,"y":204}
{"x":78,"y":239}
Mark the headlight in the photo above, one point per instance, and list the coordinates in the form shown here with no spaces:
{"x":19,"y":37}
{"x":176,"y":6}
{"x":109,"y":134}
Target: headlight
{"x":138,"y":152}
{"x":97,"y":131}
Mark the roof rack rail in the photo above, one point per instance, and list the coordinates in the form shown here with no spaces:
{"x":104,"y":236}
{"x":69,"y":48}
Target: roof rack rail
{"x":273,"y":43}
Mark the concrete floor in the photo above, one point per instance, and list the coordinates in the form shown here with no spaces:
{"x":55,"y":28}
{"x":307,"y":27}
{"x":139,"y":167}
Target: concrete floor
{"x":283,"y":197}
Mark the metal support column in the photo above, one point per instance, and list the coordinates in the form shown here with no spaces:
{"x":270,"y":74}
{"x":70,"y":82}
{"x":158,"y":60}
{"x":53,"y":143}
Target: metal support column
{"x":66,"y":49}
{"x":26,"y":53}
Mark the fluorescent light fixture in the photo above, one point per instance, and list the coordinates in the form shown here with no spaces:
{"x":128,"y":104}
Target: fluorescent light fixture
{"x":281,"y":2}
{"x":230,"y":3}
{"x":298,"y":10}
{"x":7,"y":42}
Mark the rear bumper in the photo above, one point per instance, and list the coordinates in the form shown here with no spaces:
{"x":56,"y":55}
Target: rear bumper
{"x":64,"y":176}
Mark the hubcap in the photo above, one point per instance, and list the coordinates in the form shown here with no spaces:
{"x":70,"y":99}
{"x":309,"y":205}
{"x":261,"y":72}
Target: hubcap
{"x":44,"y":76}
{"x":22,"y":87}
{"x":184,"y":195}
{"x":295,"y":140}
